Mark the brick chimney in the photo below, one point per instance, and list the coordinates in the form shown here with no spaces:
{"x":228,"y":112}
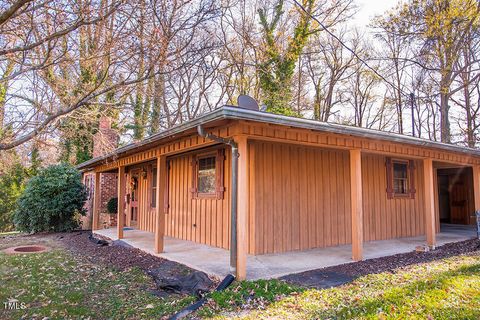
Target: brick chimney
{"x":106,"y":139}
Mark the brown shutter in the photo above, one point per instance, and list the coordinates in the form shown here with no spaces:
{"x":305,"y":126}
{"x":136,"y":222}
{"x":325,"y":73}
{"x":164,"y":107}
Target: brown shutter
{"x":389,"y":168}
{"x":219,"y":163}
{"x":411,"y":167}
{"x":166,"y":192}
{"x":194,"y":189}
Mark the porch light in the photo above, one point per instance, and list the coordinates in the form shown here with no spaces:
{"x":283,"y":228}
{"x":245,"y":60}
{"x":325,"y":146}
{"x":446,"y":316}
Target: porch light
{"x":144,"y":173}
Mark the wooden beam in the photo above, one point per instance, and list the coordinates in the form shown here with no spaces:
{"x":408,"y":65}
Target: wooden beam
{"x":121,"y":185}
{"x":356,"y":203}
{"x":160,"y":209}
{"x":476,"y":186}
{"x":429,"y":202}
{"x":242,"y":207}
{"x":96,"y":202}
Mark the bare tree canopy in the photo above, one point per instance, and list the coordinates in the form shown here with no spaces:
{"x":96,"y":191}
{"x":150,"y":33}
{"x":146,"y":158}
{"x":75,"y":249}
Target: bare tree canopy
{"x":151,"y":64}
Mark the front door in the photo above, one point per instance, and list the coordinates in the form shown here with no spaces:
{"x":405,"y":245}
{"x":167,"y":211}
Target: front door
{"x":458,"y":200}
{"x":134,"y":197}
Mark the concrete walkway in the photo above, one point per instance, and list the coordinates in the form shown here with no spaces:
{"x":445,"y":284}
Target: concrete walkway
{"x":215,"y":261}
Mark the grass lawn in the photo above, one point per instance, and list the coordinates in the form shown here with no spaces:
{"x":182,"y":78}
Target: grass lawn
{"x":58,"y":285}
{"x":443,"y":289}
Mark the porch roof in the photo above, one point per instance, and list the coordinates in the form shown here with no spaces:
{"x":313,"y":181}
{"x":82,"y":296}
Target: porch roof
{"x":236,"y":113}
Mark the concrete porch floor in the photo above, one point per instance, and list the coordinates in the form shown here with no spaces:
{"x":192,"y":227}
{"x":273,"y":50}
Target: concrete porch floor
{"x":215,"y":261}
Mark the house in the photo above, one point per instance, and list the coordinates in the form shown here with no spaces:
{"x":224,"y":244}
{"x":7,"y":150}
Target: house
{"x":293,"y":186}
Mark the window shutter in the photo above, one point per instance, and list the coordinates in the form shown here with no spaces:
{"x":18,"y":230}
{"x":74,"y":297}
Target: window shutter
{"x":194,"y":189}
{"x":411,"y":167}
{"x":389,"y":169}
{"x":220,"y":160}
{"x":166,"y":192}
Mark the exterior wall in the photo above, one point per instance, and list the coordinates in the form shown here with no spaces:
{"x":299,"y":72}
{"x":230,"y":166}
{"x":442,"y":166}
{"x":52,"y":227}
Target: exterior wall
{"x":302,"y":197}
{"x":390,"y":218}
{"x":108,"y":185}
{"x":109,"y":190}
{"x":89,"y":182}
{"x":203,"y":220}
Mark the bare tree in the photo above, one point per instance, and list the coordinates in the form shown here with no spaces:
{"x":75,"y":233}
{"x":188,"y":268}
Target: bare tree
{"x":328,"y":66}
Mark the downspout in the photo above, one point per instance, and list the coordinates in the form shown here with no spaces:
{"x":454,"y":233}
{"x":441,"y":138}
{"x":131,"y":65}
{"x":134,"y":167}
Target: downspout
{"x":233,"y":203}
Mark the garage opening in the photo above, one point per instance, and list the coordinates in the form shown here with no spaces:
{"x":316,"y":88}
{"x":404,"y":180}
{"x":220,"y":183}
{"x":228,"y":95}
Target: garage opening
{"x":455,"y":195}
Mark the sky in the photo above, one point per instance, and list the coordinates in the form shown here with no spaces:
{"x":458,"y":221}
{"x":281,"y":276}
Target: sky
{"x":369,"y":8}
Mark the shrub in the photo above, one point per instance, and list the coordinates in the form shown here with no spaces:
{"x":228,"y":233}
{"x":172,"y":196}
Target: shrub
{"x":112,"y":205}
{"x":51,"y":200}
{"x":11,"y":185}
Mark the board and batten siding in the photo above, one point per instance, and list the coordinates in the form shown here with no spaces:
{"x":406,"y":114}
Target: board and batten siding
{"x":390,"y":218}
{"x":203,"y":220}
{"x":146,"y":214}
{"x":302,"y":199}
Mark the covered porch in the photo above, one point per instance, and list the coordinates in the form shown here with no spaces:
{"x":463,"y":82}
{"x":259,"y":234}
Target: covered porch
{"x":216,"y":261}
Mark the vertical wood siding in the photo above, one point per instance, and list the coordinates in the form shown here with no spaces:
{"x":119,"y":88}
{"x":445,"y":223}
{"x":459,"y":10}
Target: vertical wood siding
{"x":301,"y":201}
{"x":146,"y":214}
{"x":205,"y":220}
{"x":389,"y":218}
{"x":302,"y":198}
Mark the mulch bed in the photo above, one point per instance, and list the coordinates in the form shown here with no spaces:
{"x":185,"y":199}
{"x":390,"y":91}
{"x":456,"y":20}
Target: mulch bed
{"x":337,"y":275}
{"x":118,"y":256}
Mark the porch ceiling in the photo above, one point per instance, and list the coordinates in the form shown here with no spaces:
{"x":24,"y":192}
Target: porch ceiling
{"x":215,"y":261}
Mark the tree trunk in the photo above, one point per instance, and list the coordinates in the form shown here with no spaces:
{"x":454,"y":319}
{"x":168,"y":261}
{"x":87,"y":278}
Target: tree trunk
{"x":444,"y":121}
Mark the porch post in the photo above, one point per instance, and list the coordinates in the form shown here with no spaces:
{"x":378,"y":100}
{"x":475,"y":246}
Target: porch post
{"x":476,"y":186}
{"x":356,"y":203}
{"x":242,"y":207}
{"x":429,"y":202}
{"x":96,"y":202}
{"x":121,"y":201}
{"x":159,"y":209}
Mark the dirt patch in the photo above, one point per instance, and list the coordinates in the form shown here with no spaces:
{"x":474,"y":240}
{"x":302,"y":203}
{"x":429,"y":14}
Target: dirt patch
{"x":320,"y":278}
{"x":25,"y":249}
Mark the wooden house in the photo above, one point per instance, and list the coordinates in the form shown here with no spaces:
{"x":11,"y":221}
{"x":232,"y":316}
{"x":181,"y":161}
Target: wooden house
{"x":301,"y":184}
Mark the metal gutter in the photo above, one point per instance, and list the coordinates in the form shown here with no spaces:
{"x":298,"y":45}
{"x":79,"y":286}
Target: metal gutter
{"x":236,"y":113}
{"x":233,"y":194}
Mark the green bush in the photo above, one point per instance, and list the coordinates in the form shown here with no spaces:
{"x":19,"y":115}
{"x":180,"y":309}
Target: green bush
{"x":11,"y":186}
{"x":112,"y":205}
{"x":51,"y":200}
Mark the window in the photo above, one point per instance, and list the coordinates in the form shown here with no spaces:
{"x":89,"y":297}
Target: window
{"x":208,"y":175}
{"x":400,"y":178}
{"x":154,"y":188}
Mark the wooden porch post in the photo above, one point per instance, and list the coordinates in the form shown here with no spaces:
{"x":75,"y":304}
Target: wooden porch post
{"x":96,"y":202}
{"x":121,"y":201}
{"x":429,"y":202}
{"x":476,"y":186}
{"x":242,"y":207}
{"x":159,"y":209}
{"x":357,"y":203}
